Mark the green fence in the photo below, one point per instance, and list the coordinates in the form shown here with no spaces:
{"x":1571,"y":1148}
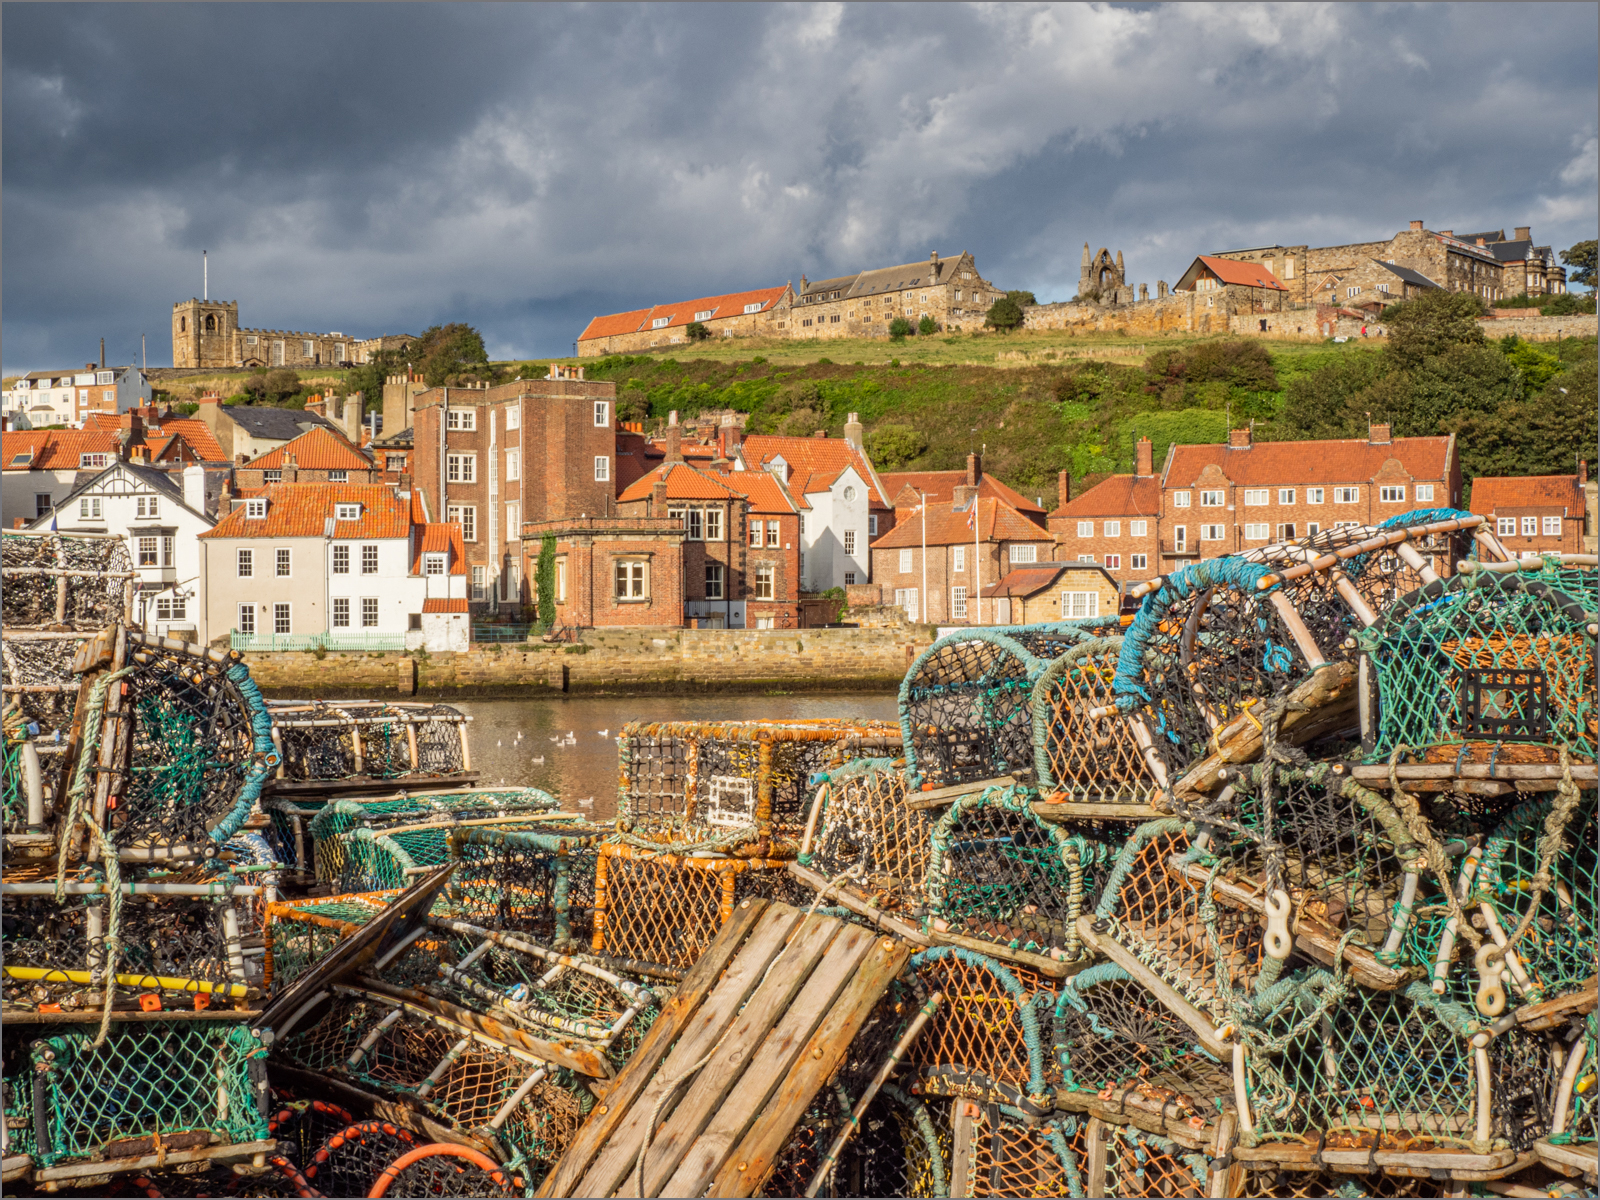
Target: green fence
{"x":316,"y":641}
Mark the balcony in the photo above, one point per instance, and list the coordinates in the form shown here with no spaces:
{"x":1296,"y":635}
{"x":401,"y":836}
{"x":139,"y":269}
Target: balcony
{"x":1187,"y":550}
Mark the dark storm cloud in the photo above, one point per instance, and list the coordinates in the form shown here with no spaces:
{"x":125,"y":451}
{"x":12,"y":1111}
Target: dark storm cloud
{"x":378,"y":168}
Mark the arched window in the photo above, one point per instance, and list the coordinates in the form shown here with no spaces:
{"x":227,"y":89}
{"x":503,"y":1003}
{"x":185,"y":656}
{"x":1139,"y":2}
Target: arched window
{"x":183,"y":324}
{"x":211,"y":323}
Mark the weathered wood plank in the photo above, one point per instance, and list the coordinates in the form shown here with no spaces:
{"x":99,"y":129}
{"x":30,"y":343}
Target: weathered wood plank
{"x":849,"y":899}
{"x":675,"y":1015}
{"x":1073,"y":810}
{"x":819,"y":1058}
{"x":1164,"y":992}
{"x":945,"y":796}
{"x":699,"y":1035}
{"x":1095,"y":1167}
{"x":789,"y":973}
{"x":1053,"y":967}
{"x":770,"y":1064}
{"x":1551,"y":1013}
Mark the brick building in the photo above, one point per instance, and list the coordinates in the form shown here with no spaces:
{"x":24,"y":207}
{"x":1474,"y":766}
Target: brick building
{"x":1114,"y":524}
{"x":905,"y":489}
{"x":1053,"y":591}
{"x":612,"y":571}
{"x":206,"y":333}
{"x":494,"y":458}
{"x":738,"y":314}
{"x":317,"y":456}
{"x":70,"y":398}
{"x":1536,"y":514}
{"x":937,"y":558}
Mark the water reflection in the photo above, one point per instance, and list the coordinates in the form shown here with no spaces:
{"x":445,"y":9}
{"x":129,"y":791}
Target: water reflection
{"x":583,"y":774}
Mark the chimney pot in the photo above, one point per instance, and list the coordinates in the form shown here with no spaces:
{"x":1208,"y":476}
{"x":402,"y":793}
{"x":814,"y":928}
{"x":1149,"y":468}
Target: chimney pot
{"x":854,"y":432}
{"x":1063,"y":488}
{"x":1239,"y":439}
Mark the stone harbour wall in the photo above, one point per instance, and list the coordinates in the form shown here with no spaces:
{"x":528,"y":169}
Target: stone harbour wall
{"x":622,"y":660}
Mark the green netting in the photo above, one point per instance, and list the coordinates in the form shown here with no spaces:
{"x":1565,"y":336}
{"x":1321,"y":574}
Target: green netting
{"x":145,"y":1081}
{"x":13,"y":799}
{"x":1082,"y":758}
{"x":537,"y":881}
{"x":1484,"y":657}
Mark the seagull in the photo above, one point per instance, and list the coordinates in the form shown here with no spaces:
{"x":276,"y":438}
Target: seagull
{"x":497,"y":743}
{"x":604,"y":732}
{"x":539,"y":762}
{"x":589,"y":803}
{"x":555,"y":739}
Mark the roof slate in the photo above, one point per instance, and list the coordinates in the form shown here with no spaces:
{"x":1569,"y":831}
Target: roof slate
{"x":1119,"y":496}
{"x":281,"y":424}
{"x":315,"y":450}
{"x":1323,"y":462}
{"x":951,"y":526}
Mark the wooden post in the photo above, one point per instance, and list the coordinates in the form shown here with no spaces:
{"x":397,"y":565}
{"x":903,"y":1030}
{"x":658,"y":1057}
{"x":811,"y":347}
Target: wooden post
{"x":1309,"y":649}
{"x":963,"y":1125}
{"x":1095,"y":1171}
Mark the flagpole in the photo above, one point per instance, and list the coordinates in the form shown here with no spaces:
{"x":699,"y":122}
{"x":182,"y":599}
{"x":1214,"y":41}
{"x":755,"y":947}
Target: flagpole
{"x":977,"y":565}
{"x":927,"y":615}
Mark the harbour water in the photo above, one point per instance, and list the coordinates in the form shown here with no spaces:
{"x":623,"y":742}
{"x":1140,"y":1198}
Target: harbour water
{"x":526,"y":742}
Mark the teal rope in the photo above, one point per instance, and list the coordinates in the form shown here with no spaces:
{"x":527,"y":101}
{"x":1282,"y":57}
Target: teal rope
{"x":1048,"y":679}
{"x":930,"y":1137}
{"x":1038,"y":1090}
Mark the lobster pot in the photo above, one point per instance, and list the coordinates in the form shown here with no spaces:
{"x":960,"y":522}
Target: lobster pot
{"x":1204,"y":646}
{"x":692,"y":781}
{"x":900,"y":1147}
{"x":374,"y":859}
{"x":442,"y":1169}
{"x":1145,"y":1164}
{"x":290,"y":829}
{"x":369,"y":740}
{"x":186,"y":950}
{"x":1384,"y":1070}
{"x":1000,"y":873}
{"x":1077,"y":757}
{"x":988,"y":1031}
{"x":1556,"y":956}
{"x":175,"y":1084}
{"x":1524,"y":1083}
{"x":1012,"y":1156}
{"x":966,"y":702}
{"x":429,"y":815}
{"x":187,"y":739}
{"x":1109,"y":1034}
{"x":1483,"y":658}
{"x":57,"y":590}
{"x":864,"y":829}
{"x":539,"y":882}
{"x":1157,"y":911}
{"x":467,"y":1080}
{"x":298,"y":933}
{"x":662,"y":910}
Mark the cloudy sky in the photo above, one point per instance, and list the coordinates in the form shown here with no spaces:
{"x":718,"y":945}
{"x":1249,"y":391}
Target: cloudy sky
{"x":375,"y":168}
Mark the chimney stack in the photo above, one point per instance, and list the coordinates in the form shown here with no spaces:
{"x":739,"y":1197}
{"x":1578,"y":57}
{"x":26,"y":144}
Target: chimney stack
{"x":1378,"y":435}
{"x":933,"y":266}
{"x":1239,"y":439}
{"x":658,"y":498}
{"x":674,"y":438}
{"x":194,"y":487}
{"x":1524,"y":233}
{"x":1583,"y":472}
{"x":102,"y":354}
{"x":354,"y":406}
{"x":730,"y":434}
{"x":853,"y":431}
{"x":291,"y":470}
{"x":974,"y":470}
{"x":1063,"y":488}
{"x":1447,"y":233}
{"x":1416,"y":227}
{"x":1143,"y":458}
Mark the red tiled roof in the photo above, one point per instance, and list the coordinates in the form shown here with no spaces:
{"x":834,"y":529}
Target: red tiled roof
{"x":681,"y":313}
{"x":200,"y":438}
{"x":441,"y":537}
{"x":683,"y":483}
{"x":1247,"y":274}
{"x":1025,"y":581}
{"x":1119,"y":496}
{"x":1492,"y":493}
{"x":941,"y":485}
{"x":948,"y":526}
{"x":53,"y":449}
{"x":1269,"y":464}
{"x":764,"y":490}
{"x":814,"y":463}
{"x":306,"y":510}
{"x":317,"y":449}
{"x":438,"y":604}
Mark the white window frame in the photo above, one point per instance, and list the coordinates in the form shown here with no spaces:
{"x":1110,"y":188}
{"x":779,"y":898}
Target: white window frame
{"x":271,"y":475}
{"x":369,"y":558}
{"x":1180,"y":499}
{"x":1552,"y":526}
{"x":1138,"y":528}
{"x":147,"y":547}
{"x":282,"y":562}
{"x":461,"y":468}
{"x":1113,"y":529}
{"x":513,"y":416}
{"x":1079,"y":605}
{"x":1214,"y":498}
{"x":850,"y":541}
{"x":755,"y":535}
{"x":1113,"y":562}
{"x":338,"y":476}
{"x":1286,"y":531}
{"x":1138,"y":562}
{"x":245,"y":563}
{"x":285,"y":610}
{"x":369,"y":612}
{"x":602,"y":414}
{"x":89,"y":508}
{"x":713,"y":524}
{"x":752,"y":308}
{"x":908,"y":561}
{"x":958,"y":558}
{"x":1255,"y":497}
{"x":1314,"y":495}
{"x":716,"y":581}
{"x":660,"y":322}
{"x":465,"y":515}
{"x":1530,"y":526}
{"x":1392,"y":494}
{"x":513,"y":465}
{"x":347,"y":512}
{"x":246,"y":616}
{"x":774,"y":535}
{"x":872,"y":525}
{"x":602,"y":468}
{"x":340,"y":618}
{"x":906,"y":600}
{"x":1022,"y":554}
{"x":1347,"y":495}
{"x":1423,"y":492}
{"x":1213,"y":533}
{"x":766,"y":581}
{"x":1285,"y":495}
{"x":1085,"y":529}
{"x":630,"y":588}
{"x":433,"y":563}
{"x":464,"y":420}
{"x":1180,"y":538}
{"x":1257,"y":531}
{"x":480,"y":583}
{"x":958,"y":602}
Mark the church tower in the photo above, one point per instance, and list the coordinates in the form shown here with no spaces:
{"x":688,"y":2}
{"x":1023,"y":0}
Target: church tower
{"x":203,"y":333}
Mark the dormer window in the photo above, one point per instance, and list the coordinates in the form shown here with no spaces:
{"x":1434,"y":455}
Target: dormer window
{"x":433,"y":564}
{"x":705,"y":314}
{"x":271,"y":476}
{"x":347,"y":512}
{"x":94,"y":460}
{"x":103,"y":377}
{"x":752,"y":308}
{"x":255,"y":510}
{"x":660,"y":322}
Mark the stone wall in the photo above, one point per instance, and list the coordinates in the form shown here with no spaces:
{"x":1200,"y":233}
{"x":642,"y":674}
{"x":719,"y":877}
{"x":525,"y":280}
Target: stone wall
{"x":1176,"y":312}
{"x":628,"y":660}
{"x":1544,"y":329}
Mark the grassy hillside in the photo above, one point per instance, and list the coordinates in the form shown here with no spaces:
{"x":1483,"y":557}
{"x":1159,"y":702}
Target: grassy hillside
{"x":1032,"y":418}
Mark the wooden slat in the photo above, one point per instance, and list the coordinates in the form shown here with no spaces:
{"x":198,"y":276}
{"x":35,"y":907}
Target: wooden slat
{"x":819,"y":1058}
{"x":675,"y":1016}
{"x":1168,"y":995}
{"x":1559,"y":1011}
{"x":770,"y":1064}
{"x":699,"y":1035}
{"x":848,"y":898}
{"x":789,"y":973}
{"x":963,"y":1125}
{"x":941,"y":797}
{"x":1095,"y":1170}
{"x":1042,"y":963}
{"x":1074,"y":810}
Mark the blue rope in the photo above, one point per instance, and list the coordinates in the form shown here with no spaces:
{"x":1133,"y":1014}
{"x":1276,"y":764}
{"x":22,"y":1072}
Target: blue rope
{"x":1038,"y":1090}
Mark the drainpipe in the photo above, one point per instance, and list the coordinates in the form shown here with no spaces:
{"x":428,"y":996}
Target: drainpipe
{"x":924,"y":508}
{"x":444,"y":413}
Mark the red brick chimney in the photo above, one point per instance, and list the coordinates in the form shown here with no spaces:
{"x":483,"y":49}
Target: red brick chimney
{"x":1144,"y":458}
{"x":1416,"y":227}
{"x":658,"y":498}
{"x":974,"y":470}
{"x":1378,"y":435}
{"x":1239,"y":439}
{"x":291,"y":469}
{"x":1583,"y":472}
{"x":1063,"y":488}
{"x":674,"y":438}
{"x":729,"y":434}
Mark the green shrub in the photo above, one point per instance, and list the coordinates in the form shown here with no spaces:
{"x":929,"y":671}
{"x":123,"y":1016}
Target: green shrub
{"x":927,"y":325}
{"x":1005,"y":314}
{"x":697,"y":331}
{"x":890,"y":447}
{"x":899,"y":329}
